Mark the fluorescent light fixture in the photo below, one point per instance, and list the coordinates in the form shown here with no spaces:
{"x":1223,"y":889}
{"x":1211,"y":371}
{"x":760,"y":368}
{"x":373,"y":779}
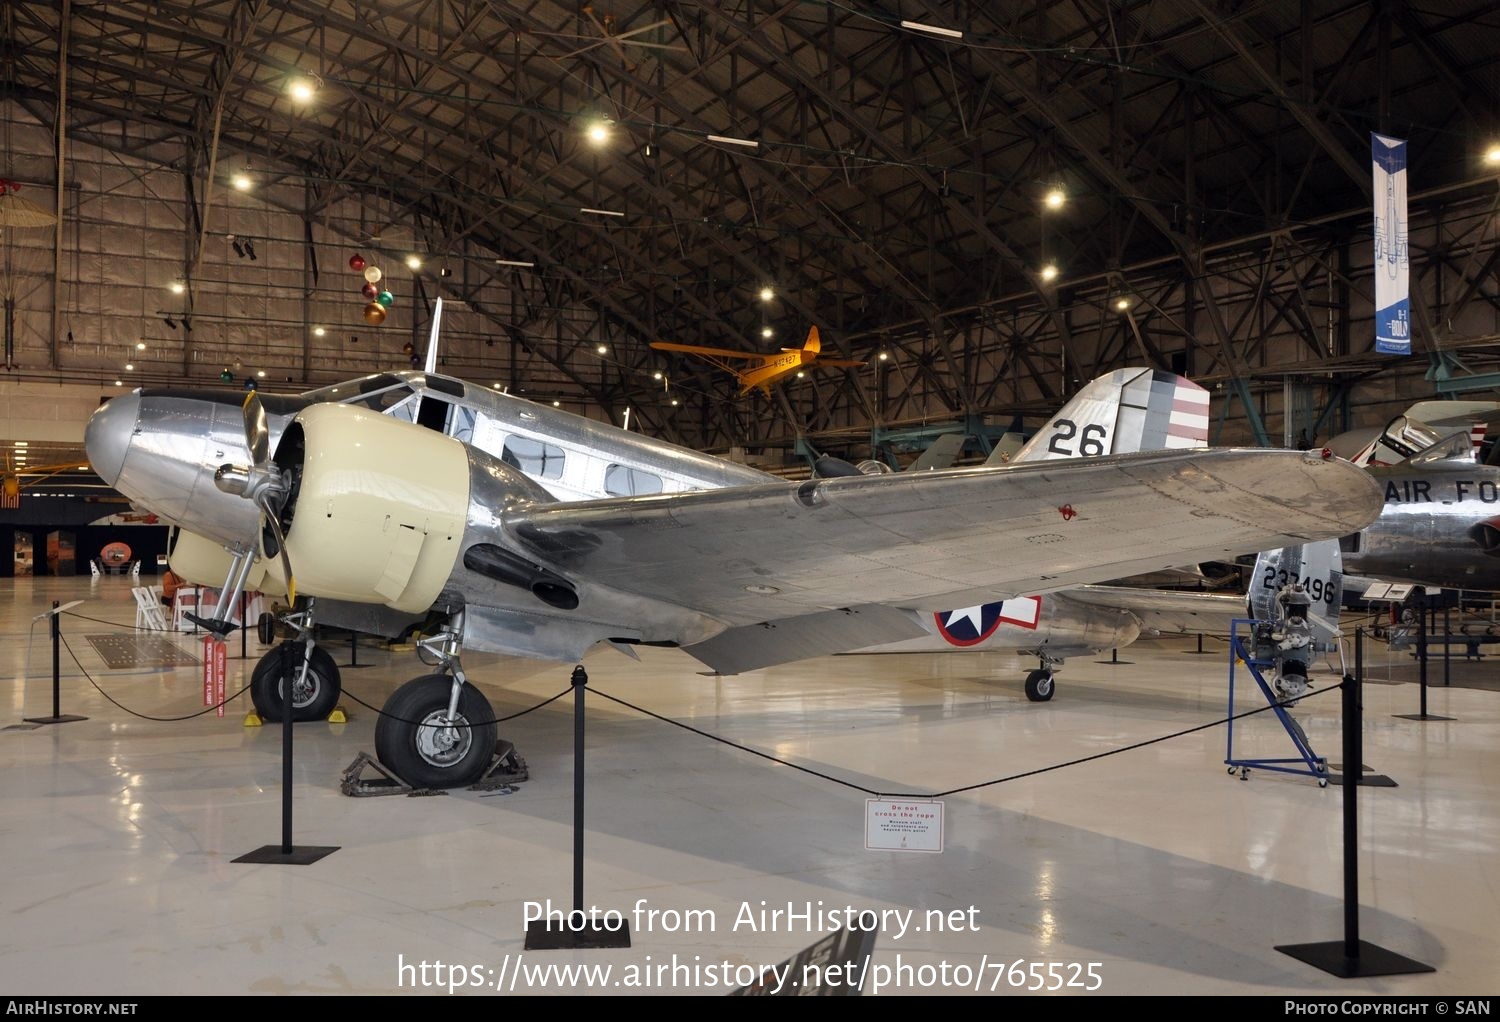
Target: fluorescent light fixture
{"x":1049,"y":272}
{"x":22,"y":443}
{"x":748,"y":143}
{"x":83,"y":468}
{"x":599,"y":212}
{"x":917,"y":26}
{"x":514,"y":262}
{"x":413,"y":262}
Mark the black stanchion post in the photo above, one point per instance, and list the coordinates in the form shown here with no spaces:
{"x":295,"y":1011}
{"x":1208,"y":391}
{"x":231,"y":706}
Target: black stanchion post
{"x":1353,"y":957}
{"x":581,"y":928}
{"x":244,"y":627}
{"x":354,"y":663}
{"x":286,"y":853}
{"x":58,"y":717}
{"x":580,"y":688}
{"x":1447,"y":644}
{"x":1422,"y":635}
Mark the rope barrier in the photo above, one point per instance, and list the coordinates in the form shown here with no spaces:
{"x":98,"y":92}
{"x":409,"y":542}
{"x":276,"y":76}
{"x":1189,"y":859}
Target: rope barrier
{"x":967,"y":787}
{"x":146,"y":716}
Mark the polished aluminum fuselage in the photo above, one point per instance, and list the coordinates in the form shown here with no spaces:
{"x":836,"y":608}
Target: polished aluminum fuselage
{"x":177,"y":438}
{"x":1425,"y":532}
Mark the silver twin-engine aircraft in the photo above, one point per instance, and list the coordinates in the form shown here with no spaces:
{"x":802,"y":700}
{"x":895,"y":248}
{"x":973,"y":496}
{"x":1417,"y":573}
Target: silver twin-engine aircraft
{"x":526,"y":530}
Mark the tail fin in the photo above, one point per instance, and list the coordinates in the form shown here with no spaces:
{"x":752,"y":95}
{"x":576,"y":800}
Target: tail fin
{"x":1122,"y":412}
{"x":941,"y":453}
{"x":1319,"y":567}
{"x":814,"y":344}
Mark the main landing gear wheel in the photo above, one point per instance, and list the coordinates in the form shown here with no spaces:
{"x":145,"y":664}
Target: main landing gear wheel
{"x":1039,"y":686}
{"x":420,"y":744}
{"x":312,"y":699}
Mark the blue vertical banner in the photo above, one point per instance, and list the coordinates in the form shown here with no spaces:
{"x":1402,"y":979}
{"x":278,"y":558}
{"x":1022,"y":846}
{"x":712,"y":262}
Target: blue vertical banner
{"x":1392,"y":257}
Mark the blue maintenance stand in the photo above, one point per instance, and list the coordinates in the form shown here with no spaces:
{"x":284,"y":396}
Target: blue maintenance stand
{"x":1306,"y":762}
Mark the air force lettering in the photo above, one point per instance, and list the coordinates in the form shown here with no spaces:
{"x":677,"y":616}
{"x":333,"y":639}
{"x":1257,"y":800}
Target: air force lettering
{"x":1392,"y":259}
{"x":969,"y":626}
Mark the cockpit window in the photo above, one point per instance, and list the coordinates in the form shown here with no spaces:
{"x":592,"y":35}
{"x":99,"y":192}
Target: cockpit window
{"x":624,"y":481}
{"x":533,"y":457}
{"x":377,"y":393}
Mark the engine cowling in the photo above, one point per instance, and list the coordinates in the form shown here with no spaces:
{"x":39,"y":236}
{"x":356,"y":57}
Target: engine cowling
{"x":205,"y":562}
{"x":377,"y":508}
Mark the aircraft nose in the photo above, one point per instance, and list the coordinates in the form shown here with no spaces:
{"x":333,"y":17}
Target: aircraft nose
{"x":108,"y":435}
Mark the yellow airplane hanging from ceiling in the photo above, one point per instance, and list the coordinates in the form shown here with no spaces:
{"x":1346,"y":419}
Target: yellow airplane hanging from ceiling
{"x":767,"y":370}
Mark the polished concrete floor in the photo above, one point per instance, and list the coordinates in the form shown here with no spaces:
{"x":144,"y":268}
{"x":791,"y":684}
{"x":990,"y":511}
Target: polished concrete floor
{"x":119,"y":832}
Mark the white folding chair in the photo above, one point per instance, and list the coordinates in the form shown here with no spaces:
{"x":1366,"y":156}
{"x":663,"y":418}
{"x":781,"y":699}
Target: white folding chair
{"x":148,"y":610}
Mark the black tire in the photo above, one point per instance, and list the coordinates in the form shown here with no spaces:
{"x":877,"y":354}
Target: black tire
{"x":323,"y":684}
{"x":433,"y":756}
{"x":1039,"y":686}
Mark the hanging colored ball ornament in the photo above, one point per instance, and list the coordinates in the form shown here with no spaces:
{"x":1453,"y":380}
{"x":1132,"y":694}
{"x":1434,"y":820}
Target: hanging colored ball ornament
{"x":385,"y":298}
{"x":225,"y":376}
{"x":372,"y":274}
{"x":374,"y":314}
{"x":356,"y":262}
{"x":369,"y":291}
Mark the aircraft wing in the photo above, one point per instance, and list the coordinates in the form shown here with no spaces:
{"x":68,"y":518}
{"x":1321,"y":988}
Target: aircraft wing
{"x":693,"y":349}
{"x":1166,"y":611}
{"x":932,"y":540}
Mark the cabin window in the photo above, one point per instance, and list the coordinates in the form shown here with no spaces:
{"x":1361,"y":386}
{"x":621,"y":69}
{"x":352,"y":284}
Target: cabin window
{"x":624,"y":481}
{"x":533,"y":457}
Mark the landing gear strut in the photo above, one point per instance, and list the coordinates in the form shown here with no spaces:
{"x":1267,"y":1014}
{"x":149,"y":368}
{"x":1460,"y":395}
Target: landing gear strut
{"x":438,"y":731}
{"x":299,"y":663}
{"x":1040,"y":683}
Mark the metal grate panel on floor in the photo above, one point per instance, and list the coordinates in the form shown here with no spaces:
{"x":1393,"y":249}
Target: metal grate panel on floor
{"x":121,"y":652}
